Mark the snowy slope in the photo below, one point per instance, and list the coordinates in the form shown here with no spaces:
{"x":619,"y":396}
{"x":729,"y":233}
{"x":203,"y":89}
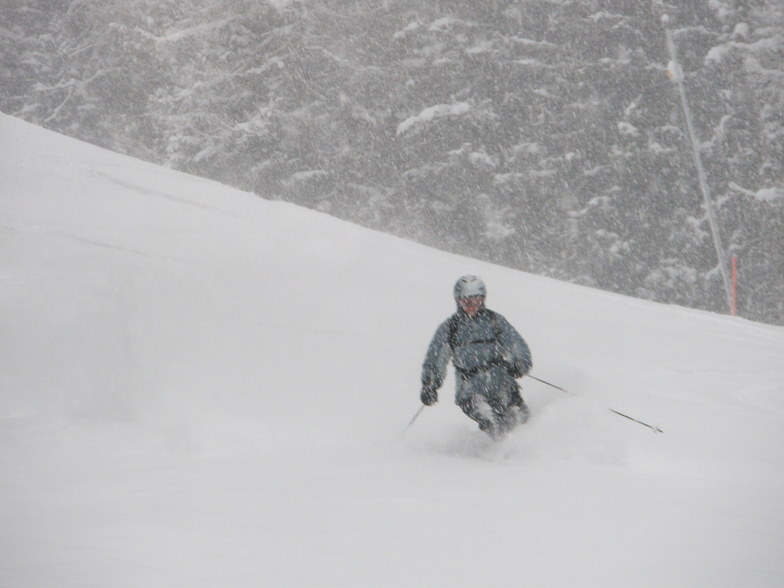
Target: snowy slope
{"x":200,"y":388}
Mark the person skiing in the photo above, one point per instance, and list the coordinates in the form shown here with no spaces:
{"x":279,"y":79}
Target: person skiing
{"x":488,"y":355}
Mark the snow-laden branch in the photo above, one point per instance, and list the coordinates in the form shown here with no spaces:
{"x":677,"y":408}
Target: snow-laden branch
{"x":56,"y":111}
{"x":174,"y":35}
{"x":432,"y":112}
{"x":763,"y":194}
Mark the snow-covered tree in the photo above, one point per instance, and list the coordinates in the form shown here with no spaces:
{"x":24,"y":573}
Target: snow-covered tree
{"x":542,"y":135}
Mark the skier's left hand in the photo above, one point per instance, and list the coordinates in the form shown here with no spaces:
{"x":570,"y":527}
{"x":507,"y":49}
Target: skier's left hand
{"x":516,"y":369}
{"x":517,"y":398}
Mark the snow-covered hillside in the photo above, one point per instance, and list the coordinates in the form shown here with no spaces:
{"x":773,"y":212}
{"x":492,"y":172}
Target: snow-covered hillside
{"x":201,"y":388}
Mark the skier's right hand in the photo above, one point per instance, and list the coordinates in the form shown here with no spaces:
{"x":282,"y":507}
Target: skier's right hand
{"x":428,"y":396}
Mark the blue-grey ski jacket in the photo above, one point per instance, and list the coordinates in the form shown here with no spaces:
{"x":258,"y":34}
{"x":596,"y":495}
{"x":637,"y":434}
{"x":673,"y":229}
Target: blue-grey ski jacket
{"x":487,"y":352}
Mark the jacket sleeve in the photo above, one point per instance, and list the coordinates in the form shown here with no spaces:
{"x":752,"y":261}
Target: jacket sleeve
{"x":515,"y":349}
{"x":437,"y":357}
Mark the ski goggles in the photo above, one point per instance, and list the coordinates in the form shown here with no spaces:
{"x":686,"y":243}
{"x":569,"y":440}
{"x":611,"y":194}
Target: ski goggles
{"x":471,"y":302}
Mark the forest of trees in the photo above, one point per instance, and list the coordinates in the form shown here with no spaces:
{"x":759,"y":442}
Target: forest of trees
{"x":544,"y":135}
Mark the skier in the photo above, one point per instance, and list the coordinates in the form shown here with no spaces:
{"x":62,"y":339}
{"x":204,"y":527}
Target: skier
{"x":488,"y":355}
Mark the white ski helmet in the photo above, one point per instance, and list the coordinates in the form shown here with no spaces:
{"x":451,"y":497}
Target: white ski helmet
{"x":468,"y":286}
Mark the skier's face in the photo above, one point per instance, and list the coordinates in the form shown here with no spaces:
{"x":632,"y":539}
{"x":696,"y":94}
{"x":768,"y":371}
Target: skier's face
{"x":471,"y":305}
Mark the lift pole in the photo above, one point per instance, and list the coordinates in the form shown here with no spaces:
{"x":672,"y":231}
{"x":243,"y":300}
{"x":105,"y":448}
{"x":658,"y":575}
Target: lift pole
{"x":677,"y":75}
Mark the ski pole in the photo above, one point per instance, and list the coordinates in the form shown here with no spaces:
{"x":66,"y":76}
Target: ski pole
{"x":626,"y":416}
{"x":411,"y":422}
{"x":548,"y":383}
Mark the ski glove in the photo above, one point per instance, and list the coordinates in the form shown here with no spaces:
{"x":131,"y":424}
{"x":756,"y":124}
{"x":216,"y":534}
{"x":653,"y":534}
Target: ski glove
{"x":517,"y":370}
{"x":428,"y":396}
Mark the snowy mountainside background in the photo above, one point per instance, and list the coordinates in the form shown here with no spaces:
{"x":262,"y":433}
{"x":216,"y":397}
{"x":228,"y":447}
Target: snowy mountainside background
{"x":199,"y":387}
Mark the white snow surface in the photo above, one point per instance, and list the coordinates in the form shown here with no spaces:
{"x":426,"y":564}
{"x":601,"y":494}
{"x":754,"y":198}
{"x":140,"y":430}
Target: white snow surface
{"x":202,"y":388}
